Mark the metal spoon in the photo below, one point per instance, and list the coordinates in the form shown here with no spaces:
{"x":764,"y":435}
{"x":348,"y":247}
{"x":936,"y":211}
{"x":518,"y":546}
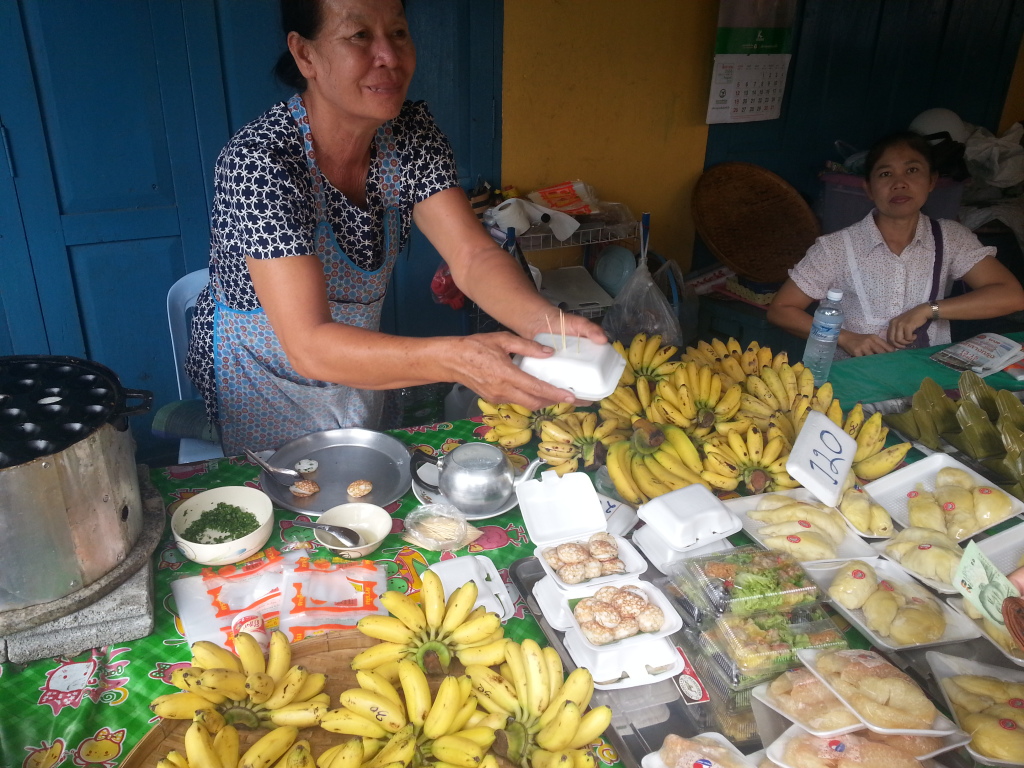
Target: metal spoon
{"x":283,"y":476}
{"x":346,"y":536}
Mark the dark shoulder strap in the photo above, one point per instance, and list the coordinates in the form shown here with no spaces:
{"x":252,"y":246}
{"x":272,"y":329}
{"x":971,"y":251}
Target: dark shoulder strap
{"x":937,"y":267}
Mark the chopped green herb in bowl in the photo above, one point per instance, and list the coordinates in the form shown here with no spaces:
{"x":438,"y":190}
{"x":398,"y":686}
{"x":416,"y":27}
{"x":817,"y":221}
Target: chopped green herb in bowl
{"x":225,"y":522}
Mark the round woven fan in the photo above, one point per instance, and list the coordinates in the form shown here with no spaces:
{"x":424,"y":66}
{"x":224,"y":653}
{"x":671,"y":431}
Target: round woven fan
{"x":752,"y":220}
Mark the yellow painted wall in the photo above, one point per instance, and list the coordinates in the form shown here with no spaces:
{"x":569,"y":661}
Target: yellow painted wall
{"x":613,"y":93}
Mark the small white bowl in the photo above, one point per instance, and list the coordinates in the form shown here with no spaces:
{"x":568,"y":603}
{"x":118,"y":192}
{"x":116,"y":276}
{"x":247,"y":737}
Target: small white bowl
{"x":228,"y":552}
{"x":371,"y":522}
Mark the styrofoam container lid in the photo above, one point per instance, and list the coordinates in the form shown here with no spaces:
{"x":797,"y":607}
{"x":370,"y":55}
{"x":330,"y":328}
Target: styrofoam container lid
{"x":653,"y":759}
{"x":957,"y":604}
{"x":558,"y":509}
{"x":590,"y":370}
{"x":628,"y":667}
{"x":891,"y":491}
{"x":687,"y":516}
{"x":957,"y":630}
{"x":943,"y":666}
{"x":650,"y":543}
{"x":492,"y":593}
{"x":941,"y":725}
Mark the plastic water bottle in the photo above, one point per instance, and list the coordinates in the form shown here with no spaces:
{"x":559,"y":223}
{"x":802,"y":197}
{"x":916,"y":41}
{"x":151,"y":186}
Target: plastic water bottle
{"x":824,"y":337}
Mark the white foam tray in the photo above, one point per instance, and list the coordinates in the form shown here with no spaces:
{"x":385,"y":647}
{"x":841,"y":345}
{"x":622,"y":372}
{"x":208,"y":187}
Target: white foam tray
{"x":777,"y":748}
{"x":943,"y":666}
{"x":611,"y":664}
{"x":492,"y":593}
{"x":939,"y":586}
{"x":653,"y":759}
{"x":673,"y":621}
{"x":958,"y":627}
{"x":762,"y":695}
{"x":957,"y":604}
{"x":941,"y":726}
{"x":662,"y":557}
{"x":852,"y":547}
{"x":891,"y":491}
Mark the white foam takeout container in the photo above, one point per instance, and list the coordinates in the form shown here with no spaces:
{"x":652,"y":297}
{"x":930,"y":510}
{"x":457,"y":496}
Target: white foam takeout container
{"x":653,"y":759}
{"x":688,"y":518}
{"x":944,"y":665}
{"x":941,"y":726}
{"x":492,"y":593}
{"x":777,"y":748}
{"x":772,"y":720}
{"x":958,"y":628}
{"x":673,"y":621}
{"x":662,"y":557}
{"x":852,"y":547}
{"x":615,"y":669}
{"x":891,"y":491}
{"x":558,"y":510}
{"x":590,"y":370}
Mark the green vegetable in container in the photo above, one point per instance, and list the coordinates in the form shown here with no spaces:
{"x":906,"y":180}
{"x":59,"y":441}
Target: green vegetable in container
{"x":225,"y":522}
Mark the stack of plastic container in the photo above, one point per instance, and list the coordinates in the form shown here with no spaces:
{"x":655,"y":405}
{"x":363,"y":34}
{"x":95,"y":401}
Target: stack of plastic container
{"x":683,"y":523}
{"x":747,"y":612}
{"x":567,"y":511}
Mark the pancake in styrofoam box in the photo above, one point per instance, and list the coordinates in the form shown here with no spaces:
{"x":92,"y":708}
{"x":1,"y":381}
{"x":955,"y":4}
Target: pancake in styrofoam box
{"x":958,"y":627}
{"x":940,"y":726}
{"x":672,"y":621}
{"x":944,"y":665}
{"x":852,"y":546}
{"x":653,"y":759}
{"x":891,"y":490}
{"x":844,"y":743}
{"x":775,"y":714}
{"x":958,"y":605}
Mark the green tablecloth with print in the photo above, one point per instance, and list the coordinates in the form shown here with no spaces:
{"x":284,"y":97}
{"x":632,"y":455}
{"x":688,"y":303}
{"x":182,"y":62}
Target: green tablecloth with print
{"x":91,"y":709}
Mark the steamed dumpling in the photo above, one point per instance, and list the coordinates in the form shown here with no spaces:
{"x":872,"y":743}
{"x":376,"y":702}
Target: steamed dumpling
{"x":853,"y":584}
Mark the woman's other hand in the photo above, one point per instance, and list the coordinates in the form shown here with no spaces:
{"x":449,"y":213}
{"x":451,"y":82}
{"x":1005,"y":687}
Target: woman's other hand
{"x":902,"y":331}
{"x":863,"y":344}
{"x":483,"y":363}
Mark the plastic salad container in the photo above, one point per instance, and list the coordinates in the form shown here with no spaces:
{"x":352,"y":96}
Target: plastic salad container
{"x":740,"y":581}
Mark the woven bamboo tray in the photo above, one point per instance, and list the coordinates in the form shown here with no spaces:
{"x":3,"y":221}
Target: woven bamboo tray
{"x":331,"y":653}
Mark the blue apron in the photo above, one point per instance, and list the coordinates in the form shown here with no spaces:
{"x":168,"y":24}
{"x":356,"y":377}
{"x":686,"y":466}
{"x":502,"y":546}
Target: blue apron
{"x":261,"y":401}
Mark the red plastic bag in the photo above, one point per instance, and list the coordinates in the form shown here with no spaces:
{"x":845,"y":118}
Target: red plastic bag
{"x":445,"y":290}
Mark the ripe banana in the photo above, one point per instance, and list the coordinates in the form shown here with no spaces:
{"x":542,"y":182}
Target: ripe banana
{"x":279,"y":659}
{"x":416,"y":691}
{"x":286,"y":689}
{"x":881,"y":463}
{"x":250,"y":654}
{"x":375,"y":708}
{"x":210,"y":655}
{"x":268,"y":749}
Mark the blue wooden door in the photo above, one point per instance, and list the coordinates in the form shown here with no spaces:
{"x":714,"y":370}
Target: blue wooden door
{"x":112,"y":114}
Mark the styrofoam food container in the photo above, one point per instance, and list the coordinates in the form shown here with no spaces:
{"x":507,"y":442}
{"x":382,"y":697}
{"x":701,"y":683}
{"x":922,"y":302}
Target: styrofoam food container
{"x":852,"y":547}
{"x":371,"y":522}
{"x":590,"y":370}
{"x":653,"y":759}
{"x":891,"y":491}
{"x":250,"y":499}
{"x":944,"y":665}
{"x":689,"y":517}
{"x":958,"y":628}
{"x":558,"y":510}
{"x":777,"y":748}
{"x":492,"y":593}
{"x":763,"y":698}
{"x":957,"y":604}
{"x":941,"y":726}
{"x":1005,"y":549}
{"x":553,"y":601}
{"x":673,"y":621}
{"x":939,"y":586}
{"x":615,"y":668}
{"x":653,"y":546}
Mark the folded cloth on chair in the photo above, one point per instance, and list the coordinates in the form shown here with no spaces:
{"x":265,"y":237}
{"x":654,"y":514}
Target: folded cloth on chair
{"x":184,"y":418}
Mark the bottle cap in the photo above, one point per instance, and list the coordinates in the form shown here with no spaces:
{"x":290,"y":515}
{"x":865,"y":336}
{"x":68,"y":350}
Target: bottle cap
{"x":834,"y":294}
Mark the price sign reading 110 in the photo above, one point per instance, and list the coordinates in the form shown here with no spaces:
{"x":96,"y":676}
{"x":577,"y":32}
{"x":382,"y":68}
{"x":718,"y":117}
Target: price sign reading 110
{"x":822,"y":457}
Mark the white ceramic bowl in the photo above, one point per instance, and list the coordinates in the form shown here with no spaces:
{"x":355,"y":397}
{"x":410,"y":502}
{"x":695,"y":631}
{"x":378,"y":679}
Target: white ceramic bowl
{"x":371,"y":522}
{"x":250,"y":499}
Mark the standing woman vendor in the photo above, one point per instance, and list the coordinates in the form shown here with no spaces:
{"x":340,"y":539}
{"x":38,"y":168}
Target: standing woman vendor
{"x":895,"y":266}
{"x":313,"y":202}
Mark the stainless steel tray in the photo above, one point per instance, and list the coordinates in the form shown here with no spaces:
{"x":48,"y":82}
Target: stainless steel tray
{"x":344,"y":455}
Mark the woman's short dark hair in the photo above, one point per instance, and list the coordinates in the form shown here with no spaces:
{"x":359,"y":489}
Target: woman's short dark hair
{"x":915,"y":141}
{"x":306,"y":18}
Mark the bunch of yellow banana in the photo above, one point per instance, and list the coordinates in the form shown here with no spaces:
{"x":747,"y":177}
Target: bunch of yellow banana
{"x":872,"y":459}
{"x":645,"y":359}
{"x":730,"y":360}
{"x":400,"y":723}
{"x":658,"y":458}
{"x":547,"y":719}
{"x":748,"y":460}
{"x":245,"y":688}
{"x":572,"y":440}
{"x":507,"y":419}
{"x":433,"y":625}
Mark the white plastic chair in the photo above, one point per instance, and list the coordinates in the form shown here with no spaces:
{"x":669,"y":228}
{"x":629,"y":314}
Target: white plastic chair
{"x":180,"y":299}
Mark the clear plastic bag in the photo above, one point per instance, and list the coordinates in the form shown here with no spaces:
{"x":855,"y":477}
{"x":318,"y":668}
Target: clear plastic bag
{"x":640,"y":306}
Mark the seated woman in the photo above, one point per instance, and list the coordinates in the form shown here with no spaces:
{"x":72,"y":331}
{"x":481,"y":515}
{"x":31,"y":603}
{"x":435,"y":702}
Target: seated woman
{"x":895,"y":266}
